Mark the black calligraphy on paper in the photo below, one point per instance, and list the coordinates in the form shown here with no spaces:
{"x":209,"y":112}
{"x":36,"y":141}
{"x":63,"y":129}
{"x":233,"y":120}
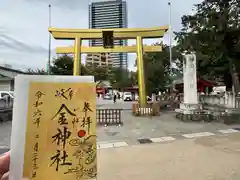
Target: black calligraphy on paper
{"x":72,"y":170}
{"x":35,"y":157}
{"x":63,"y":133}
{"x":83,"y":171}
{"x":75,"y":121}
{"x":66,"y":94}
{"x":62,"y":112}
{"x":36,"y":121}
{"x":90,"y":172}
{"x":86,"y":108}
{"x":39,"y":95}
{"x":37,"y":113}
{"x":85,"y":147}
{"x":86,"y":121}
{"x":60,"y":159}
{"x":86,"y":154}
{"x":38,"y":102}
{"x":61,"y":136}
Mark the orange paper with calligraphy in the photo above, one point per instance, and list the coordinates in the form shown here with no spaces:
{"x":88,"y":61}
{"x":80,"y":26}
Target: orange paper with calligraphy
{"x":61,"y":132}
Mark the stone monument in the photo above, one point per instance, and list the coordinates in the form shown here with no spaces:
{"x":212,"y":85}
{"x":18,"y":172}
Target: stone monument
{"x":190,"y":108}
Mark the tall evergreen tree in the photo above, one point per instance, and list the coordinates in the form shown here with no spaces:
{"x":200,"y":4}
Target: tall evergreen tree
{"x":213,"y":32}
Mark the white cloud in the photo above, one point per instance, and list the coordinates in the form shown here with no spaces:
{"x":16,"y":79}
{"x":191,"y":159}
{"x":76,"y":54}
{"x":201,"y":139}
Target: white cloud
{"x":24,"y":24}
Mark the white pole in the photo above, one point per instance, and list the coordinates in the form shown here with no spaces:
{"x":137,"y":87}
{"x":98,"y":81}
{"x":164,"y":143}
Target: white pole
{"x":49,"y":39}
{"x":170,"y":34}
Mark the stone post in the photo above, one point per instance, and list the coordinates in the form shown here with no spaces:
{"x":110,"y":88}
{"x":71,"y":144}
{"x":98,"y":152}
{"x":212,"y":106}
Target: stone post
{"x":190,"y":79}
{"x":190,"y":108}
{"x":191,"y":100}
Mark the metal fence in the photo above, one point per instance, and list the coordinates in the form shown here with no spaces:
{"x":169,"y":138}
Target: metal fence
{"x":108,"y":117}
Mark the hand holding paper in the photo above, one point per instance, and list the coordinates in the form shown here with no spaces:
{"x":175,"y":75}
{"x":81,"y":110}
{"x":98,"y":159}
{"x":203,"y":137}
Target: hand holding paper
{"x":4,"y":166}
{"x":54,"y":128}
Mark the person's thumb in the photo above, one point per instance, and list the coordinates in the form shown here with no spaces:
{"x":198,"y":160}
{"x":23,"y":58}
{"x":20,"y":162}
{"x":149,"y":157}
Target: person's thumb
{"x":4,"y":163}
{"x":6,"y":177}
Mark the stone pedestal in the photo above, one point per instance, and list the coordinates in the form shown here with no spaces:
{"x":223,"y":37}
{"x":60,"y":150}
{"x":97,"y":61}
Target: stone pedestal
{"x":231,"y":116}
{"x":190,"y":109}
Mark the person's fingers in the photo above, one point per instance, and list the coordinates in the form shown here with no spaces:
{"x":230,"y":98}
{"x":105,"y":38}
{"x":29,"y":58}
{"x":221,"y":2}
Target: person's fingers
{"x":5,"y":176}
{"x":4,"y":166}
{"x":4,"y":163}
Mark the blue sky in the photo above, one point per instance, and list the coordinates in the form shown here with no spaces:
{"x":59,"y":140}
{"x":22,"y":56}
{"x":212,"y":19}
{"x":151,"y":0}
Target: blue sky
{"x":24,"y":24}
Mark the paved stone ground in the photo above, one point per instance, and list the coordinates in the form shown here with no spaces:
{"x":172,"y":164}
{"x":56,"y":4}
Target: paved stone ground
{"x":204,"y":158}
{"x":126,"y":105}
{"x":146,"y":127}
{"x":135,"y":128}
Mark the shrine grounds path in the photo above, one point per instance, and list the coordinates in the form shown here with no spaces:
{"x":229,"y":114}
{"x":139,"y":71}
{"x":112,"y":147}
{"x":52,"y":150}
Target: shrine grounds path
{"x":137,"y":129}
{"x":204,"y":158}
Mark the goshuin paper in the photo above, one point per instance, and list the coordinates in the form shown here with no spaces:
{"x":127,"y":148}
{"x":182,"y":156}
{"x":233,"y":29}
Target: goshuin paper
{"x":60,"y":139}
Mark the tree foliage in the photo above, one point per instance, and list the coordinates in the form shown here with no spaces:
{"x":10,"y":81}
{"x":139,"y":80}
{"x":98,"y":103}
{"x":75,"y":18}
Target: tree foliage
{"x":62,"y":65}
{"x":119,"y":78}
{"x":213,"y":32}
{"x":158,"y":72}
{"x":122,"y":78}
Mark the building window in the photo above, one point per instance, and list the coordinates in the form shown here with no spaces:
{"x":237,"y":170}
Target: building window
{"x":103,"y":59}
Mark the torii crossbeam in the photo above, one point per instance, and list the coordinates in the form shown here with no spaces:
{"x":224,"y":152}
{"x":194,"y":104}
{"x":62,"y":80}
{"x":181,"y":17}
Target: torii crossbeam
{"x":115,"y":49}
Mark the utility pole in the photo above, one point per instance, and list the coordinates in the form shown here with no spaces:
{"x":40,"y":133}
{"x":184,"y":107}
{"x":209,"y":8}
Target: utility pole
{"x":170,"y":41}
{"x":49,"y":40}
{"x":170,"y":33}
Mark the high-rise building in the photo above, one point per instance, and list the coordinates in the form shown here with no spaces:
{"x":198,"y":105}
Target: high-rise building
{"x":110,"y":14}
{"x":99,"y":59}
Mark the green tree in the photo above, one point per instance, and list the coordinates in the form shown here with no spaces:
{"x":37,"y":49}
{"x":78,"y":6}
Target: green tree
{"x":213,"y":32}
{"x":63,"y":65}
{"x":158,"y":72}
{"x":100,"y":73}
{"x":133,"y":78}
{"x":121,"y":78}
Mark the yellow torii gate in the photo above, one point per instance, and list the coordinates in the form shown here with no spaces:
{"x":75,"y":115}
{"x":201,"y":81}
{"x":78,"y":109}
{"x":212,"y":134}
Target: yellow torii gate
{"x":108,"y":36}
